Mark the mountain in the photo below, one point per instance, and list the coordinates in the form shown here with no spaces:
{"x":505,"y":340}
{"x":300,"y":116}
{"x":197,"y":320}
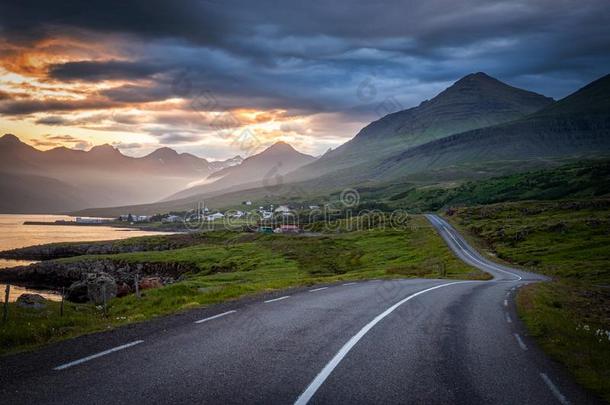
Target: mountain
{"x":217,"y":165}
{"x":102,"y":176}
{"x":571,"y":129}
{"x":263,"y":169}
{"x":475,"y":101}
{"x":576,"y":126}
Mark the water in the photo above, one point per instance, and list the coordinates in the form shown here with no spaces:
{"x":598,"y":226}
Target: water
{"x":13,"y":234}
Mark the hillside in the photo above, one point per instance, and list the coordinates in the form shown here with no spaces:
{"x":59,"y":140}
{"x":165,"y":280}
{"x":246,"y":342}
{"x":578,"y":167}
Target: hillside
{"x":578,"y":125}
{"x":475,"y":101}
{"x":582,"y":180}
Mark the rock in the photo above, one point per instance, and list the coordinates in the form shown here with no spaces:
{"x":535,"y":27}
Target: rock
{"x":123,"y":289}
{"x":34,"y":301}
{"x":77,"y":292}
{"x":100,"y":286}
{"x":150,"y":282}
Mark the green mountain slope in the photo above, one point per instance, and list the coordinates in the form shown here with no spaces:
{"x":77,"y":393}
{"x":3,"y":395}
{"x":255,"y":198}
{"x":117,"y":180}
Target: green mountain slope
{"x":578,"y":125}
{"x":475,"y":101}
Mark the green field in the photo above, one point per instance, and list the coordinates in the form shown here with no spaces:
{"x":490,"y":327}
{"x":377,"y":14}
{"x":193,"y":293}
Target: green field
{"x":232,"y":265}
{"x":569,"y":241}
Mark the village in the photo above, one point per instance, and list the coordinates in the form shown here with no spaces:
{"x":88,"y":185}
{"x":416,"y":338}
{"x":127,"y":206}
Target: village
{"x":282,"y":218}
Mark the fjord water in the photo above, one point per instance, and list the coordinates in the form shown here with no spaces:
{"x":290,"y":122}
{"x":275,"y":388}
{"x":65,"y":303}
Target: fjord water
{"x":14,"y":234}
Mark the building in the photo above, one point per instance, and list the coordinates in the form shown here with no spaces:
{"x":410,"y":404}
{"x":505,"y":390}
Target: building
{"x":172,"y":218}
{"x":284,"y":209}
{"x":135,"y":218}
{"x":87,"y":220}
{"x":264,"y":229}
{"x":287,"y":229}
{"x":237,"y":214}
{"x":248,"y":202}
{"x":215,"y":216}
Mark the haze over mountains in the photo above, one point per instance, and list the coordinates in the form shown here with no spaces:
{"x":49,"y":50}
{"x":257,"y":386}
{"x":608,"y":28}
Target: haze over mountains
{"x":266,"y":168}
{"x":62,"y":179}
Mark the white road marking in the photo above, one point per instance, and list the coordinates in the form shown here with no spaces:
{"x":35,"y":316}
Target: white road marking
{"x":318,"y":289}
{"x":215,"y":316}
{"x":508,"y":318}
{"x":349,"y":283}
{"x":554,"y":389}
{"x":95,"y":356}
{"x":505,"y":303}
{"x":277,"y":299}
{"x":520,"y":341}
{"x":334,"y":362}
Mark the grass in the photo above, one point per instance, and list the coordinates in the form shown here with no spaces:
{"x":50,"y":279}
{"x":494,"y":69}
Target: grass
{"x":569,"y":241}
{"x":245,"y":264}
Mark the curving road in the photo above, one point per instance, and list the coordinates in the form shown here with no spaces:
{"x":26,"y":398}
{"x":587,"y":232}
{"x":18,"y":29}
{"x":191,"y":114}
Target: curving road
{"x":395,"y":341}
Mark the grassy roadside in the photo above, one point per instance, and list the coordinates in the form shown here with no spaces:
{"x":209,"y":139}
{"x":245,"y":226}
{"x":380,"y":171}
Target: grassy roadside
{"x":242,"y":265}
{"x":569,"y":241}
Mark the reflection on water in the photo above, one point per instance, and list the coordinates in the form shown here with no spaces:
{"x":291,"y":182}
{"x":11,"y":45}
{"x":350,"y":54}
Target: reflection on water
{"x":13,"y":234}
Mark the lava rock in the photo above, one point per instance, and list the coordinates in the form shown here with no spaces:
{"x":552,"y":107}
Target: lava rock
{"x":34,"y":301}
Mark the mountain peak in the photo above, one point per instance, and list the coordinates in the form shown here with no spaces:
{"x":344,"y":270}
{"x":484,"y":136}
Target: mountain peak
{"x":163,"y":153}
{"x":10,"y":138}
{"x":105,"y":148}
{"x":478,"y":80}
{"x":280,"y":146}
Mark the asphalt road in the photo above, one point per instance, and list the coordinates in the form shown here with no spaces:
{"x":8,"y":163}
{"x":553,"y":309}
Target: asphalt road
{"x":395,"y":341}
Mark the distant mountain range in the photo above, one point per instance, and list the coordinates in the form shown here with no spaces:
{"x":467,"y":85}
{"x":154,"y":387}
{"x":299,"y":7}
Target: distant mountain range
{"x":478,"y":122}
{"x":62,"y":179}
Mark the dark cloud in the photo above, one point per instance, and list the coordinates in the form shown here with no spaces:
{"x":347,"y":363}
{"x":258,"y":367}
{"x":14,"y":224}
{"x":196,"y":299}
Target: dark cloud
{"x":33,"y":106}
{"x":98,"y":71}
{"x":53,"y":120}
{"x":310,"y":57}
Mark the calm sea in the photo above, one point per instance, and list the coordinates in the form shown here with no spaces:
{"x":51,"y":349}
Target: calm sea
{"x":13,"y":234}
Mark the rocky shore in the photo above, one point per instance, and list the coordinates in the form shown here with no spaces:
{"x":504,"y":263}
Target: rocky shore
{"x":91,"y":279}
{"x":139,"y":244}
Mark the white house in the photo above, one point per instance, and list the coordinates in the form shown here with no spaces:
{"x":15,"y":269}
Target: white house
{"x":283,"y":209}
{"x":215,"y":216}
{"x":172,"y":218}
{"x":86,"y":220}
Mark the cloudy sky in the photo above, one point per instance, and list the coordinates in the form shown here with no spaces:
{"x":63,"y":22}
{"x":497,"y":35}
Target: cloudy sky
{"x":220,"y":78}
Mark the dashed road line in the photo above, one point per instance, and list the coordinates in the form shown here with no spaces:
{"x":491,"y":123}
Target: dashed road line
{"x":215,"y":316}
{"x":349,"y":283}
{"x":554,"y":389}
{"x":277,"y":299}
{"x":505,"y":303}
{"x":508,"y":318}
{"x":520,"y":341}
{"x":318,"y":289}
{"x":95,"y":356}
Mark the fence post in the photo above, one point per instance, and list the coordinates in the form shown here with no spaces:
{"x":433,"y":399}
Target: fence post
{"x":104,"y":299}
{"x":61,"y":306}
{"x":137,"y":285}
{"x":6,"y":296}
